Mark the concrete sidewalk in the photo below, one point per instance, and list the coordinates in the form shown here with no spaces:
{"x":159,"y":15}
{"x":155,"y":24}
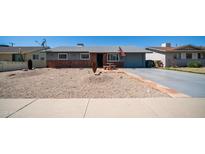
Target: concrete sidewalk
{"x":109,"y":108}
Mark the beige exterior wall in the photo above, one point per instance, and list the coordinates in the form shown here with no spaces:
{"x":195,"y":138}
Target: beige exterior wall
{"x":12,"y":66}
{"x":36,"y":63}
{"x":156,"y":56}
{"x":5,"y":57}
{"x":40,"y":62}
{"x":170,"y":61}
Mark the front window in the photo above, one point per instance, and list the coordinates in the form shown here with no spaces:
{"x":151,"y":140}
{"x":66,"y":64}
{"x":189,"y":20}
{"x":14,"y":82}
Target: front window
{"x":113,"y":57}
{"x":175,"y":56}
{"x":17,"y":57}
{"x":62,"y":56}
{"x":35,"y":57}
{"x":178,"y":56}
{"x":201,"y":55}
{"x":42,"y":58}
{"x":84,"y":56}
{"x":189,"y":56}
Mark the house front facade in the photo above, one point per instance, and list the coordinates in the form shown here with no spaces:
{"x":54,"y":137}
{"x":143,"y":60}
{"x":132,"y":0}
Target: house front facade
{"x":23,"y":54}
{"x":176,"y":56}
{"x":83,"y":56}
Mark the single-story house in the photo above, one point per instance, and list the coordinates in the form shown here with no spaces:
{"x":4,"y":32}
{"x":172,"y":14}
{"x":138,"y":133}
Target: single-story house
{"x":176,"y":56}
{"x":84,"y":56}
{"x":23,"y":53}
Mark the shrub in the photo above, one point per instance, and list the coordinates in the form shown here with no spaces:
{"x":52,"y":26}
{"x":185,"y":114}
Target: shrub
{"x":158,"y":63}
{"x":195,"y":64}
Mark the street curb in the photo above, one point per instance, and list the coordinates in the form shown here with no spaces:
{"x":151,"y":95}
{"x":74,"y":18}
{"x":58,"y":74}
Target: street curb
{"x":171,"y":92}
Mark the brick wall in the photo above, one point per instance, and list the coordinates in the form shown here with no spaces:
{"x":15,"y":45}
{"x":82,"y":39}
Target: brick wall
{"x":68,"y":63}
{"x":80,"y":63}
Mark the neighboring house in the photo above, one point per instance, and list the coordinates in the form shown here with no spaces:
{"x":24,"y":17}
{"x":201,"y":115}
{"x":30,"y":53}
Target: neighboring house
{"x":21,"y":53}
{"x":176,"y":56}
{"x":84,"y":56}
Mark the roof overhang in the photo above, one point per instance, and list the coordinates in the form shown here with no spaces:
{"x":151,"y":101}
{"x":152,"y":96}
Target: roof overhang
{"x":99,"y":49}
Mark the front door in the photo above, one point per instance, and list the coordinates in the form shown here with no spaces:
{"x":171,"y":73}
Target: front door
{"x":100,"y":59}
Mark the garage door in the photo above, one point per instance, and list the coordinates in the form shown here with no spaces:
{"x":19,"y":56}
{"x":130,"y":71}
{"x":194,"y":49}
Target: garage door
{"x":133,"y":60}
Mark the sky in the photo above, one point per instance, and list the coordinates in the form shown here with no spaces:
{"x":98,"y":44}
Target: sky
{"x":139,"y":41}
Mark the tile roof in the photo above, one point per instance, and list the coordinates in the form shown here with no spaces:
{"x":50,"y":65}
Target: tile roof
{"x":98,"y":49}
{"x":23,"y":49}
{"x":186,"y":48}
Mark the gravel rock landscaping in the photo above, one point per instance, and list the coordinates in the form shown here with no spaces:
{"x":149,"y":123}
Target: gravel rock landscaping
{"x":72,"y":83}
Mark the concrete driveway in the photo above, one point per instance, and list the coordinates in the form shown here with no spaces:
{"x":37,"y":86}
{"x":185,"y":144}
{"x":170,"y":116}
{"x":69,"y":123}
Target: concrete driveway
{"x":188,"y":83}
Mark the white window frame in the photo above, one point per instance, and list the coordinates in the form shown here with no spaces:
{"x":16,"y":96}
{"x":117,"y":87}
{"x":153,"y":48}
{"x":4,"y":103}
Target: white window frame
{"x":177,"y":56}
{"x":183,"y":55}
{"x":62,"y":54}
{"x":195,"y":55}
{"x":36,"y":55}
{"x":113,"y":60}
{"x":85,"y":54}
{"x":42,"y":55}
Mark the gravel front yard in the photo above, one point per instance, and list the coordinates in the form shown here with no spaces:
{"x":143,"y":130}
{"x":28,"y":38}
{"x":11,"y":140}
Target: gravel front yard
{"x":71,"y":83}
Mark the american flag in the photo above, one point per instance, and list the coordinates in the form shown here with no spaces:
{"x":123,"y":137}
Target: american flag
{"x":122,"y":53}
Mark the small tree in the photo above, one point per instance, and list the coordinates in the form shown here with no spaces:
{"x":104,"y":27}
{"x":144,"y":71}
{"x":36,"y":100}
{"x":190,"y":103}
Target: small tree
{"x":94,"y":67}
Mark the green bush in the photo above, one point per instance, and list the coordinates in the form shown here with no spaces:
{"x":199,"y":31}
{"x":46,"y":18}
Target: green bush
{"x":194,"y":64}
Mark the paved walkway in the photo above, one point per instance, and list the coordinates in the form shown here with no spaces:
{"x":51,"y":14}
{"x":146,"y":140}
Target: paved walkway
{"x":187,"y":83}
{"x":110,"y":108}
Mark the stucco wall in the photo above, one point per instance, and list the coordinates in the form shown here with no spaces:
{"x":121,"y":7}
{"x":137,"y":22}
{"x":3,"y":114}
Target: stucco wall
{"x":170,"y":61}
{"x":26,"y":57}
{"x":11,"y":66}
{"x":41,"y":62}
{"x":5,"y":57}
{"x":156,"y":56}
